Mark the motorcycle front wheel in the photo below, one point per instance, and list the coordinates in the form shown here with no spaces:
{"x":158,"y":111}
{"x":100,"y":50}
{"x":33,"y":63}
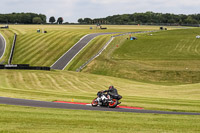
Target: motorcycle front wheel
{"x":94,"y":102}
{"x":113,"y":104}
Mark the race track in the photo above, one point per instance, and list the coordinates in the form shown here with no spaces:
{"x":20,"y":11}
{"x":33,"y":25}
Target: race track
{"x":63,"y":61}
{"x":33,"y":103}
{"x":2,"y":45}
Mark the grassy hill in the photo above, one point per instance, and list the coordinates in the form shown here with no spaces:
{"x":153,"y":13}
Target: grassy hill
{"x":166,"y":56}
{"x":39,"y":49}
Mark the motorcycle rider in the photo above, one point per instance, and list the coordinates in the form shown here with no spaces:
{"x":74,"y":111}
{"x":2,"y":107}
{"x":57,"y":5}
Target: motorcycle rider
{"x":112,"y":91}
{"x":102,"y":97}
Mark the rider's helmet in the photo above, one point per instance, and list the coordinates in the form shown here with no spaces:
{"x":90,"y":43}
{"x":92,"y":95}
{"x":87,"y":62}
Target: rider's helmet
{"x":111,"y":87}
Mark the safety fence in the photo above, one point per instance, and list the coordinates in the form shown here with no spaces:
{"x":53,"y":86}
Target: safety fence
{"x":12,"y":49}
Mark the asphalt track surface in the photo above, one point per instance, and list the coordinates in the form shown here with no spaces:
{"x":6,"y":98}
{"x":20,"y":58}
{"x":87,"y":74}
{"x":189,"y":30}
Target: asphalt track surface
{"x":43,"y":104}
{"x":2,"y":46}
{"x":64,"y":60}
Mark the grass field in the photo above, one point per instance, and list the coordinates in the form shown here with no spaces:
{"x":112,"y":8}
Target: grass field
{"x":167,"y":56}
{"x":16,"y":119}
{"x":150,"y":72}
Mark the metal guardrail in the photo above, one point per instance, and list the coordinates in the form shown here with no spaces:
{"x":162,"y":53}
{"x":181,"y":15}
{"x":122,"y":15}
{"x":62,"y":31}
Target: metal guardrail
{"x":12,"y":49}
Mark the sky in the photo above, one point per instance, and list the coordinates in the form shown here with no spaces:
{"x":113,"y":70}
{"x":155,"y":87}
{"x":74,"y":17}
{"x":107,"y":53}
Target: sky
{"x":72,"y":10}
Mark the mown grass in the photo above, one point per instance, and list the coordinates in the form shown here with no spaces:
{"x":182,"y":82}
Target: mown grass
{"x":39,"y":49}
{"x":17,"y":119}
{"x":95,"y":45}
{"x":81,"y":87}
{"x":44,"y":49}
{"x":9,"y":36}
{"x":168,"y":56}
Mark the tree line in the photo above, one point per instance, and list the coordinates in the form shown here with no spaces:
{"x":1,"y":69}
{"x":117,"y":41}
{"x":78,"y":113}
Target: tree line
{"x":145,"y":18}
{"x":23,"y":18}
{"x":27,"y":18}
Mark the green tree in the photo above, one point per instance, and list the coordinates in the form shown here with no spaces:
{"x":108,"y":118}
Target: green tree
{"x":60,"y":20}
{"x":43,"y":17}
{"x":22,"y":18}
{"x":190,"y":20}
{"x":52,"y":19}
{"x":37,"y":20}
{"x":87,"y":20}
{"x":80,"y":20}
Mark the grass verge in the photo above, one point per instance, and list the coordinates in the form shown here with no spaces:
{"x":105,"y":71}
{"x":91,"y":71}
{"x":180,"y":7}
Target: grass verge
{"x":17,"y":119}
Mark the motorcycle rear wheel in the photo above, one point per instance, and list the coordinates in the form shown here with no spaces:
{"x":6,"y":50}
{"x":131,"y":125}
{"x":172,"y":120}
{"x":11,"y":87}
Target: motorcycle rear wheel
{"x":113,"y":104}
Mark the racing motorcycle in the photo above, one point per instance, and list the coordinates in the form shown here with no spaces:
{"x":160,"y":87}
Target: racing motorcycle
{"x":107,"y":100}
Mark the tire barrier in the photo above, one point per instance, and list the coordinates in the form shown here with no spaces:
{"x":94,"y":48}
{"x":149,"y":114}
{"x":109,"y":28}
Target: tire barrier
{"x":24,"y":67}
{"x":12,"y":50}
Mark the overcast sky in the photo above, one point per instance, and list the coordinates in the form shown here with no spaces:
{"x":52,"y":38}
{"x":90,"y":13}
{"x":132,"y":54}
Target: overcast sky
{"x":72,"y":10}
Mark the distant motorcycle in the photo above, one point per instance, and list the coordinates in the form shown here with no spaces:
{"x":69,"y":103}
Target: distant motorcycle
{"x":107,"y":100}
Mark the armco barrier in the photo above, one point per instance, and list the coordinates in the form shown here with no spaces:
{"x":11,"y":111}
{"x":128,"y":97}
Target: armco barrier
{"x":24,"y":67}
{"x":1,"y":66}
{"x":12,"y":49}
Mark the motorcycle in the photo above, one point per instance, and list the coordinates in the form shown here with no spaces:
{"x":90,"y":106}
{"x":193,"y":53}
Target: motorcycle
{"x":107,"y":100}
